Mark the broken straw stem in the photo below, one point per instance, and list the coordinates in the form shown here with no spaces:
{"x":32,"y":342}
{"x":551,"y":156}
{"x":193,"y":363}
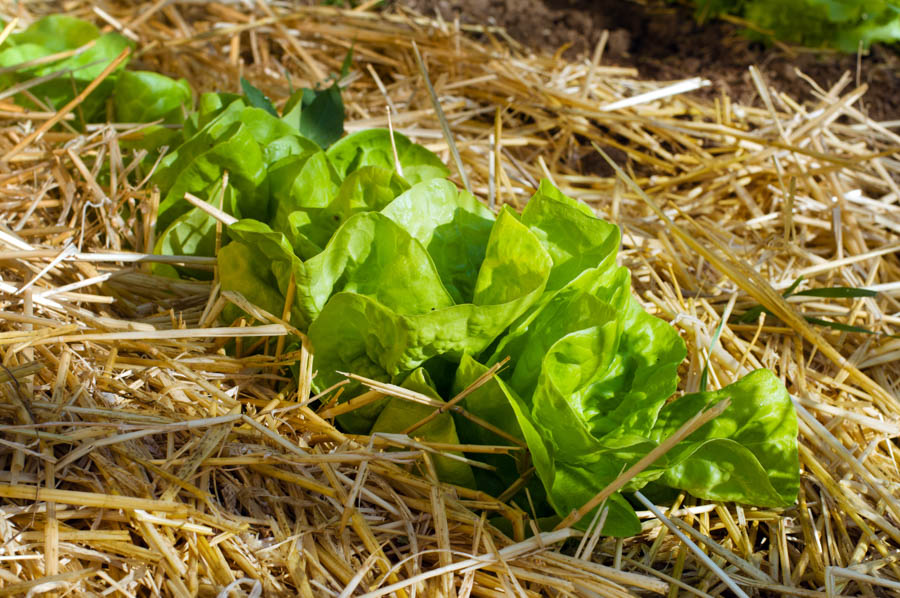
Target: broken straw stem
{"x":445,"y":126}
{"x":211,"y":210}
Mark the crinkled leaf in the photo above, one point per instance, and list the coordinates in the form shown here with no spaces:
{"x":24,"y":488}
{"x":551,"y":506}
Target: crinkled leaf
{"x":568,"y":369}
{"x":515,"y":265}
{"x":452,"y":225}
{"x":372,"y":147}
{"x":279,"y":265}
{"x":301,"y":182}
{"x":568,"y":311}
{"x":643,"y":375}
{"x":368,"y":189}
{"x":275,"y":137}
{"x":301,"y":187}
{"x":235,"y":151}
{"x":357,"y":331}
{"x":569,"y":487}
{"x":640,"y":370}
{"x":243,"y":268}
{"x":192,"y":233}
{"x":174,"y":162}
{"x":575,"y":239}
{"x":490,"y":403}
{"x":356,"y":334}
{"x":241,"y":140}
{"x":368,"y":255}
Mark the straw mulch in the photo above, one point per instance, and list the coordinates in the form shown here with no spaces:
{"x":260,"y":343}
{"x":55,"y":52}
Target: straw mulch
{"x":139,"y":459}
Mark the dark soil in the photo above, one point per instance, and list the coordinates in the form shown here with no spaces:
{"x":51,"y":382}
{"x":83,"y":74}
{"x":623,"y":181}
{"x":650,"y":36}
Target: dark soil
{"x":665,"y":42}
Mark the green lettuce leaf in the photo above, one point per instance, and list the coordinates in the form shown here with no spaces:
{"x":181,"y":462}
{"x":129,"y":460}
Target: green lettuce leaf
{"x":201,"y":141}
{"x":575,"y":239}
{"x":569,"y":486}
{"x":317,"y":113}
{"x":367,"y":256}
{"x":192,"y":233}
{"x":245,"y":269}
{"x":235,"y":151}
{"x":748,"y":454}
{"x":244,"y":141}
{"x":275,"y":262}
{"x":276,"y":138}
{"x":301,"y":186}
{"x":144,"y":96}
{"x":354,"y":330}
{"x":372,"y":147}
{"x":58,"y":33}
{"x":367,"y":189}
{"x":490,"y":403}
{"x":257,"y":98}
{"x":55,"y":33}
{"x":452,"y":225}
{"x":398,"y":414}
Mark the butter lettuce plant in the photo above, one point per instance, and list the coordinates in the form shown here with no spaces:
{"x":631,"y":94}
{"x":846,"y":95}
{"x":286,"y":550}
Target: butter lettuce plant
{"x":430,"y":289}
{"x":404,"y":278}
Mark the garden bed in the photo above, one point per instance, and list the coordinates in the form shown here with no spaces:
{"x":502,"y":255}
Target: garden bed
{"x":140,"y":456}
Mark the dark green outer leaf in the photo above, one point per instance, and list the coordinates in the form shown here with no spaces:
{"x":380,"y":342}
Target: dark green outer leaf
{"x":322,"y":115}
{"x":257,"y":99}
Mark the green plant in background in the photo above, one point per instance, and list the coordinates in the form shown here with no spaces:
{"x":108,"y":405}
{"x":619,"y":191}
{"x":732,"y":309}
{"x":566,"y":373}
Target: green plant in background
{"x":53,"y":35}
{"x":841,"y":24}
{"x":400,"y":277}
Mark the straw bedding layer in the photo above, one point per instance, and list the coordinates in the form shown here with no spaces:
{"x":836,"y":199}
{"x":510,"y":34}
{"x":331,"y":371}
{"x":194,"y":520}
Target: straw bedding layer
{"x":138,"y":459}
